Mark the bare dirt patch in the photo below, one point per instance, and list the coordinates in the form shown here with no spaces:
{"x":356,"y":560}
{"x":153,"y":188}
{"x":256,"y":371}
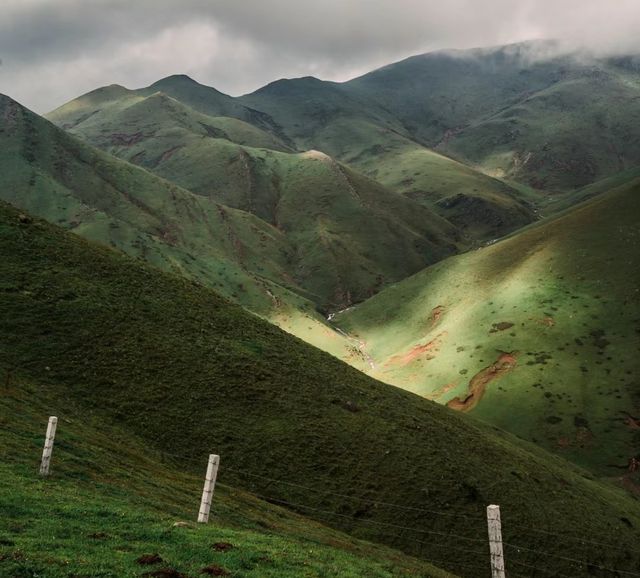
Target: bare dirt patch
{"x":436,"y":314}
{"x":438,"y":393}
{"x":148,"y":559}
{"x":505,"y":363}
{"x":427,"y":350}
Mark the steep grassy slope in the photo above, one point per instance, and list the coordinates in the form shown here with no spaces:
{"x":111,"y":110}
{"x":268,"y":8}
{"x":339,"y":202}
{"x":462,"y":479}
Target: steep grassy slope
{"x":480,"y":206}
{"x":188,"y":372}
{"x":110,"y":500}
{"x":115,"y":118}
{"x":174,"y":134}
{"x":554,"y":122}
{"x":538,"y":334}
{"x":348,"y":236}
{"x":46,"y":171}
{"x":352,"y":127}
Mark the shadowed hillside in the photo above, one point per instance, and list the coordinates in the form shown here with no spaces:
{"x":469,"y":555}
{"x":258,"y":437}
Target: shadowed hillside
{"x":172,"y":362}
{"x":348,"y":236}
{"x":522,"y":111}
{"x":328,"y":235}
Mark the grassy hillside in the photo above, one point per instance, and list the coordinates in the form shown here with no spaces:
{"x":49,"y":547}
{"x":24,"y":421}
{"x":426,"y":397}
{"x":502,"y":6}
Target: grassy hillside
{"x":179,"y":134}
{"x":355,"y":129}
{"x":553,"y":122}
{"x":480,"y":206}
{"x":347,"y":235}
{"x":116,"y":119}
{"x":51,"y":174}
{"x":537,"y":334}
{"x":110,"y":501}
{"x":168,"y":360}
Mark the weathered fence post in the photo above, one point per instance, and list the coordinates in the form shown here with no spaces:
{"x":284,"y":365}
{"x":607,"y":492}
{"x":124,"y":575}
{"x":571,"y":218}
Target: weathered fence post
{"x":495,"y":541}
{"x":209,"y":486}
{"x":48,"y":446}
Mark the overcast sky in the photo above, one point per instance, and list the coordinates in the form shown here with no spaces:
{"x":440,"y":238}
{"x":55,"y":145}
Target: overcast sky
{"x":55,"y":50}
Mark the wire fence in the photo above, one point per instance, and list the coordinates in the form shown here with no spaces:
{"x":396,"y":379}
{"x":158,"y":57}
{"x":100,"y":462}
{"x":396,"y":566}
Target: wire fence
{"x":580,"y":566}
{"x":468,"y":550}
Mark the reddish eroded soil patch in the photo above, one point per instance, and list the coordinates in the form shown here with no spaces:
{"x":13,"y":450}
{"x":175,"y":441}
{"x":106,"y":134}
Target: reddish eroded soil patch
{"x":505,"y":363}
{"x":429,"y":350}
{"x":214,"y":570}
{"x":436,"y":314}
{"x":166,"y":155}
{"x":124,"y":139}
{"x":442,"y":390}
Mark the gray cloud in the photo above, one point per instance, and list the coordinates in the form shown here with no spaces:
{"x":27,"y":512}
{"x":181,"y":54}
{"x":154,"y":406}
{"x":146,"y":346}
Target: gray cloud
{"x":54,"y":50}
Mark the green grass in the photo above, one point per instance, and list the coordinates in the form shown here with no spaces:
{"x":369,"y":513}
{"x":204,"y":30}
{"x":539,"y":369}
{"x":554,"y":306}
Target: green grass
{"x":565,"y":292}
{"x":173,"y":134}
{"x":354,"y":128}
{"x":53,"y":175}
{"x":552,"y":124}
{"x":555,"y":123}
{"x":171,"y":363}
{"x":324,"y":232}
{"x":110,"y":500}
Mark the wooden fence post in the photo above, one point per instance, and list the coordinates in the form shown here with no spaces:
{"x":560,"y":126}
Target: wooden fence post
{"x":48,"y":446}
{"x":495,"y":541}
{"x":209,"y":486}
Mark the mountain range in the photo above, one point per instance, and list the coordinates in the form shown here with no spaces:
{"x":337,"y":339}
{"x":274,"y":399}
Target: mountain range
{"x":462,"y":225}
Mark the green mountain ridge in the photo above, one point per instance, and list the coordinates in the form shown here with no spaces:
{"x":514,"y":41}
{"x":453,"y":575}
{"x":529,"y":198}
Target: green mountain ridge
{"x":304,"y":114}
{"x":54,"y":175}
{"x":328,"y":234}
{"x":518,"y":111}
{"x":348,"y":235}
{"x":176,"y":365}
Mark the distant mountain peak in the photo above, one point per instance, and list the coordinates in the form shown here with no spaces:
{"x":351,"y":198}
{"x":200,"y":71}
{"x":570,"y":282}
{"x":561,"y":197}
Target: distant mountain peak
{"x":289,"y":85}
{"x":175,"y":79}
